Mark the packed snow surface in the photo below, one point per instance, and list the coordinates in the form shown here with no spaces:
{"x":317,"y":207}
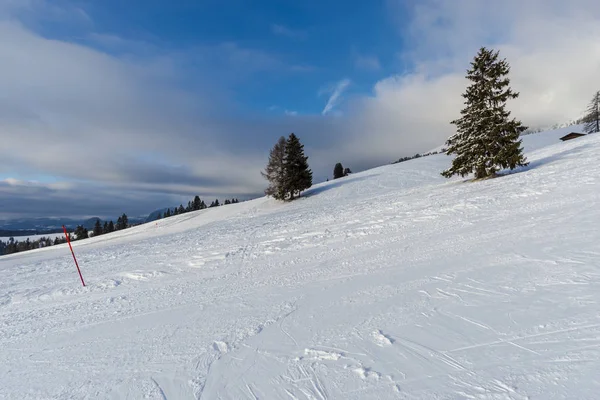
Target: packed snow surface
{"x":393,"y":283}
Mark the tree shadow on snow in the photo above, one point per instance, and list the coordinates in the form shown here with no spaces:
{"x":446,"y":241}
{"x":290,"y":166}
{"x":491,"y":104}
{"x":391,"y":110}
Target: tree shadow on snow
{"x":334,"y":184}
{"x":547,"y":160}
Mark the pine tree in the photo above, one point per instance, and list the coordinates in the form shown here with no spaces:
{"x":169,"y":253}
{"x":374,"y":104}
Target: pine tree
{"x":111,"y":227}
{"x":105,"y":227}
{"x":197,"y":203}
{"x":297,"y":174}
{"x":274,"y":171}
{"x":119,"y":223}
{"x":592,"y":115}
{"x":97,"y":228}
{"x":487,"y":140}
{"x":338,"y":171}
{"x":181,"y":209}
{"x":347,"y":171}
{"x":125,"y":221}
{"x":81,"y":232}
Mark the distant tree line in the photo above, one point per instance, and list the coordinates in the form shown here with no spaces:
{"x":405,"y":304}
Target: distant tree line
{"x":15,"y":246}
{"x":81,"y":232}
{"x":194,"y":205}
{"x":403,"y":159}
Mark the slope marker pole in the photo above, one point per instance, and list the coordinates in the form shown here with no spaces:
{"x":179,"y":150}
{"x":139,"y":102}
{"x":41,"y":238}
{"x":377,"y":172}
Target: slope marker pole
{"x":71,"y":247}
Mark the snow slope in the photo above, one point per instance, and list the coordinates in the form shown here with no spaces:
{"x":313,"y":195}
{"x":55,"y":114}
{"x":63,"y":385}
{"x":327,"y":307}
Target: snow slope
{"x":393,"y":283}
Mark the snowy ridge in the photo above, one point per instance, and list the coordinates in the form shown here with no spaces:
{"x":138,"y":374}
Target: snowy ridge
{"x":391,"y":283}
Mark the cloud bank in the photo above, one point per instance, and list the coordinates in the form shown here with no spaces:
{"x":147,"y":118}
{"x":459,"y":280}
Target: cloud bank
{"x":122,"y":129}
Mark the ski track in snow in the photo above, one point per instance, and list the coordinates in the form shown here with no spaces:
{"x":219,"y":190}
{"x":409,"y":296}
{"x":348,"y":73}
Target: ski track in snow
{"x":393,"y":283}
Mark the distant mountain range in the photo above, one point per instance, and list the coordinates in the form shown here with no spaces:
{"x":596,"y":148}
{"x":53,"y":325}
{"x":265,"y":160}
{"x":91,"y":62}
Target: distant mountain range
{"x":40,"y":226}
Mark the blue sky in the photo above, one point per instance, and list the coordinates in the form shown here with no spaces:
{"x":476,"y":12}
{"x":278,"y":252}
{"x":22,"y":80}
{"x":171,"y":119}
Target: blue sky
{"x":137,"y":105}
{"x":316,"y":43}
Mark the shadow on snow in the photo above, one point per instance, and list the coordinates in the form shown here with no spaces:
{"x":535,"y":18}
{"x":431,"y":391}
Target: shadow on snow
{"x":334,"y":184}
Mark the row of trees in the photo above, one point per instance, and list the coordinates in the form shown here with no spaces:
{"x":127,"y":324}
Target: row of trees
{"x":194,"y":205}
{"x":15,"y":246}
{"x":100,"y":228}
{"x":80,"y":233}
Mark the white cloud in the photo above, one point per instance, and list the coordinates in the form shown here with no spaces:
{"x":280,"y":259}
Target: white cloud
{"x":336,"y":92}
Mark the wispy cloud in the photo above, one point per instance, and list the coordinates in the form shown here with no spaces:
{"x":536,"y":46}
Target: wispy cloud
{"x":336,"y":92}
{"x":283,"y":30}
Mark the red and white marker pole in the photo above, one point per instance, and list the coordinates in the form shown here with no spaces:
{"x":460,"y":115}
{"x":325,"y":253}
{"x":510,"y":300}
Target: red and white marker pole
{"x":71,"y":247}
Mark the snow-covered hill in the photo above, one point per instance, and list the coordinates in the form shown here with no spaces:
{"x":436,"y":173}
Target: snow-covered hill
{"x":391,"y":283}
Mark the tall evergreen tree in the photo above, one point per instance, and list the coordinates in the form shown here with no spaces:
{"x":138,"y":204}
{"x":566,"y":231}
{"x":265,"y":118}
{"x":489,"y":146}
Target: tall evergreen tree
{"x":125,"y":221}
{"x":181,"y":209}
{"x":105,"y":227}
{"x":274,"y":171}
{"x":487,"y":140}
{"x":119,"y":223}
{"x":80,"y":232}
{"x":338,"y":171}
{"x":297,"y":174}
{"x":197,"y":203}
{"x":592,"y":115}
{"x":111,"y":226}
{"x":97,"y":228}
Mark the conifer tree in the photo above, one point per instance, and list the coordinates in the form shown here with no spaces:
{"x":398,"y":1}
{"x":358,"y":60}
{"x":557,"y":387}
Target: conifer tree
{"x":274,"y":171}
{"x":487,"y":140}
{"x":119,"y":223}
{"x":592,"y":115}
{"x":81,"y":232}
{"x":97,"y":228}
{"x":338,"y":171}
{"x":105,"y":227}
{"x":197,"y":203}
{"x":297,"y":174}
{"x":181,"y":209}
{"x":111,"y":226}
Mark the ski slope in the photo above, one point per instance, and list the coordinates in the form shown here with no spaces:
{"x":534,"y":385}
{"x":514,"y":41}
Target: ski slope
{"x":394,"y":283}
